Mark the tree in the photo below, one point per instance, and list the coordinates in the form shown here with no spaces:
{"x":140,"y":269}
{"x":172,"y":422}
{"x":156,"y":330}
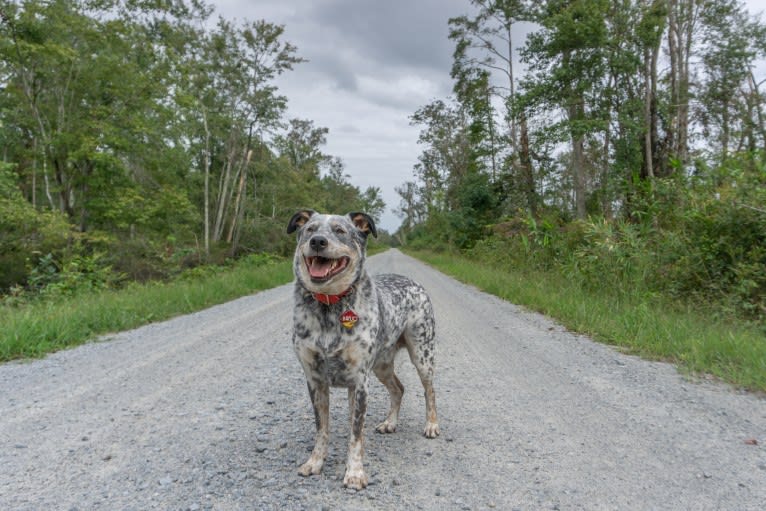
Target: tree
{"x":683,"y":22}
{"x":301,"y":145}
{"x":24,"y":230}
{"x":83,"y":85}
{"x":483,"y":47}
{"x":568,"y":58}
{"x":730,"y":46}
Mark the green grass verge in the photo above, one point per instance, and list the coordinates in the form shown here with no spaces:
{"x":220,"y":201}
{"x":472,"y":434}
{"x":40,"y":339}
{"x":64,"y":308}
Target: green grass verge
{"x":34,"y":329}
{"x":697,"y":343}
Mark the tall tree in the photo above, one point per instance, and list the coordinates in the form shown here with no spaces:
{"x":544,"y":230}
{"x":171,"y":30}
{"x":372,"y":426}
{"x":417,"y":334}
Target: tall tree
{"x":683,"y":22}
{"x":485,"y":42}
{"x":730,"y":46}
{"x":567,"y":59}
{"x":87,"y":82}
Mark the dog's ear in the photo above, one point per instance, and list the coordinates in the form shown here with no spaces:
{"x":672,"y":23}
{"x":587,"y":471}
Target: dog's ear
{"x":364,"y":223}
{"x":298,"y":219}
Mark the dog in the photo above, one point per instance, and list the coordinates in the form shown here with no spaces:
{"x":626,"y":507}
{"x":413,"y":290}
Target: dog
{"x":348,"y":325}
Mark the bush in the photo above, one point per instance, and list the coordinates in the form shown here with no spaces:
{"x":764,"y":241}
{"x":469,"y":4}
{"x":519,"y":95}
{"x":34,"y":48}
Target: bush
{"x":25,"y":232}
{"x":712,"y":253}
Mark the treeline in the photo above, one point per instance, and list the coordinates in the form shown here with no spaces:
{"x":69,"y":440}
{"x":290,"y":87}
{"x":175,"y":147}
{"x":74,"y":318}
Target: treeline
{"x":140,"y":137}
{"x":626,"y":151}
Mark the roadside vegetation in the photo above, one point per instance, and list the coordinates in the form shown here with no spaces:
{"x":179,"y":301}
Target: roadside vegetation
{"x":76,"y":307}
{"x":683,"y":281}
{"x":697,"y":339}
{"x":145,"y":138}
{"x":148,"y":168}
{"x":614,"y":178}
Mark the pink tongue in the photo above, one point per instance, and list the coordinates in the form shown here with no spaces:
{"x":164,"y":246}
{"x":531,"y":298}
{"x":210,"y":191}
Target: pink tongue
{"x":320,"y":268}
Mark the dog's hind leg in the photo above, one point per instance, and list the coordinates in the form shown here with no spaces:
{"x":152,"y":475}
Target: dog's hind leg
{"x":320,"y":400}
{"x":419,"y":340}
{"x":385,"y":373}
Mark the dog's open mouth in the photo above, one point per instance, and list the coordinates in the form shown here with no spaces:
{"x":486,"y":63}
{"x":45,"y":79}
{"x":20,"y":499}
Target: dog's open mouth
{"x":322,"y":268}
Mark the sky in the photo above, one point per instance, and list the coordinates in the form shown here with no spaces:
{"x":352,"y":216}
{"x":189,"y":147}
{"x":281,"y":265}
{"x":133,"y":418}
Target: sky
{"x":371,"y":65}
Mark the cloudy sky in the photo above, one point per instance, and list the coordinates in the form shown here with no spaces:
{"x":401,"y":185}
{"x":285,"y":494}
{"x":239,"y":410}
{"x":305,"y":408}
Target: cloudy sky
{"x":371,"y":64}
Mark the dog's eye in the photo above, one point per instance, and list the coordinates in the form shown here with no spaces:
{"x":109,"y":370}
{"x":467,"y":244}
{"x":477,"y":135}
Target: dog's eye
{"x":311,"y":228}
{"x":340,"y":230}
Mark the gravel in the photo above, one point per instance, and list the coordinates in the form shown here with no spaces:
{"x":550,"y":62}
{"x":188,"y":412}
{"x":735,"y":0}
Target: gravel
{"x":210,"y":411}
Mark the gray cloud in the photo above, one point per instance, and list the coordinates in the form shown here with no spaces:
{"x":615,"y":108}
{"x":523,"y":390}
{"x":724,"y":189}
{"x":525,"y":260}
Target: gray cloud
{"x":396,"y":32}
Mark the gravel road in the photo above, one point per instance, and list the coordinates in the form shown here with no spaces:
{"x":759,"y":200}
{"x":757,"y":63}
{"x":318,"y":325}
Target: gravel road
{"x":210,"y":411}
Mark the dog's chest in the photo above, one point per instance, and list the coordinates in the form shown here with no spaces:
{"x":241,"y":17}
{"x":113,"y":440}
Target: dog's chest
{"x":335,"y":346}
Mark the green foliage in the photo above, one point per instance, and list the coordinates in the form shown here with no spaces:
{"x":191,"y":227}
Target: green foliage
{"x":138,"y":135}
{"x":714,"y":249}
{"x":50,"y":279}
{"x":44,"y":326}
{"x":597,"y":128}
{"x":702,"y":245}
{"x":25,"y":233}
{"x":650,"y":326}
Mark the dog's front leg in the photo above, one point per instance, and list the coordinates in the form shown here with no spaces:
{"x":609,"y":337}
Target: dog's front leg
{"x":320,"y":399}
{"x":355,"y":476}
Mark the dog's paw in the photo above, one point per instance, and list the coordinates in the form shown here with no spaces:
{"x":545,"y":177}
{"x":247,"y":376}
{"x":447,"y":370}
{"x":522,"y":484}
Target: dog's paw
{"x":432,"y":430}
{"x":311,"y":468}
{"x":386,"y":427}
{"x":355,"y":479}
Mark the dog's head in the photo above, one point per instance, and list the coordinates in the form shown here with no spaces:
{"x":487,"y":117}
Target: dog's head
{"x":329,"y":257}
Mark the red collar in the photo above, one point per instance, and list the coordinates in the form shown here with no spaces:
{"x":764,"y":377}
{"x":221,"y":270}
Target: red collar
{"x":331,"y":299}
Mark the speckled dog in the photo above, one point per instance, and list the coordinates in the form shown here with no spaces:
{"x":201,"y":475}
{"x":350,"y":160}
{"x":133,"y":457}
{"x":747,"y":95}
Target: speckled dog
{"x":349,"y":325}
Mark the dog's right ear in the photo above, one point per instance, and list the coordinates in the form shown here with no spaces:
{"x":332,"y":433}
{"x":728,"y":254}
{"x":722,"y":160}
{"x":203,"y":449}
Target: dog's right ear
{"x":298,"y":219}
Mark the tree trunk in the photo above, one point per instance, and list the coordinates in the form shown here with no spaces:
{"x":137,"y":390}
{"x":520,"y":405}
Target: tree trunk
{"x":648,"y":153}
{"x":576,"y":112}
{"x":223,"y":199}
{"x":682,"y":21}
{"x":758,"y":120}
{"x":237,"y":216}
{"x":512,"y":90}
{"x":207,"y":183}
{"x":673,"y":36}
{"x":526,"y":166}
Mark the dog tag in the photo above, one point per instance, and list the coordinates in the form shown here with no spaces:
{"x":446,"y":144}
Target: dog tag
{"x":348,"y":319}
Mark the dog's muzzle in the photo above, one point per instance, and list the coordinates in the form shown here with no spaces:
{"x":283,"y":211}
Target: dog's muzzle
{"x":322,"y":269}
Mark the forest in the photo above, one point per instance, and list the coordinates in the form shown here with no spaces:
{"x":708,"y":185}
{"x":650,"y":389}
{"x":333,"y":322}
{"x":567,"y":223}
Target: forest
{"x":621,"y":145}
{"x":140,"y":138}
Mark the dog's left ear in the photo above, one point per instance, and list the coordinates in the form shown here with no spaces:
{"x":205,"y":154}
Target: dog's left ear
{"x":364,"y":223}
{"x":298,"y":219}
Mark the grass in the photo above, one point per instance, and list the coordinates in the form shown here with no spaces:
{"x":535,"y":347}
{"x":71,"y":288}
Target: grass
{"x":41,"y":327}
{"x":652,"y":328}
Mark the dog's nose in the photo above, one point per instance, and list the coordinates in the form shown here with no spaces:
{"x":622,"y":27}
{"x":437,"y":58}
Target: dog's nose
{"x":318,"y":243}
